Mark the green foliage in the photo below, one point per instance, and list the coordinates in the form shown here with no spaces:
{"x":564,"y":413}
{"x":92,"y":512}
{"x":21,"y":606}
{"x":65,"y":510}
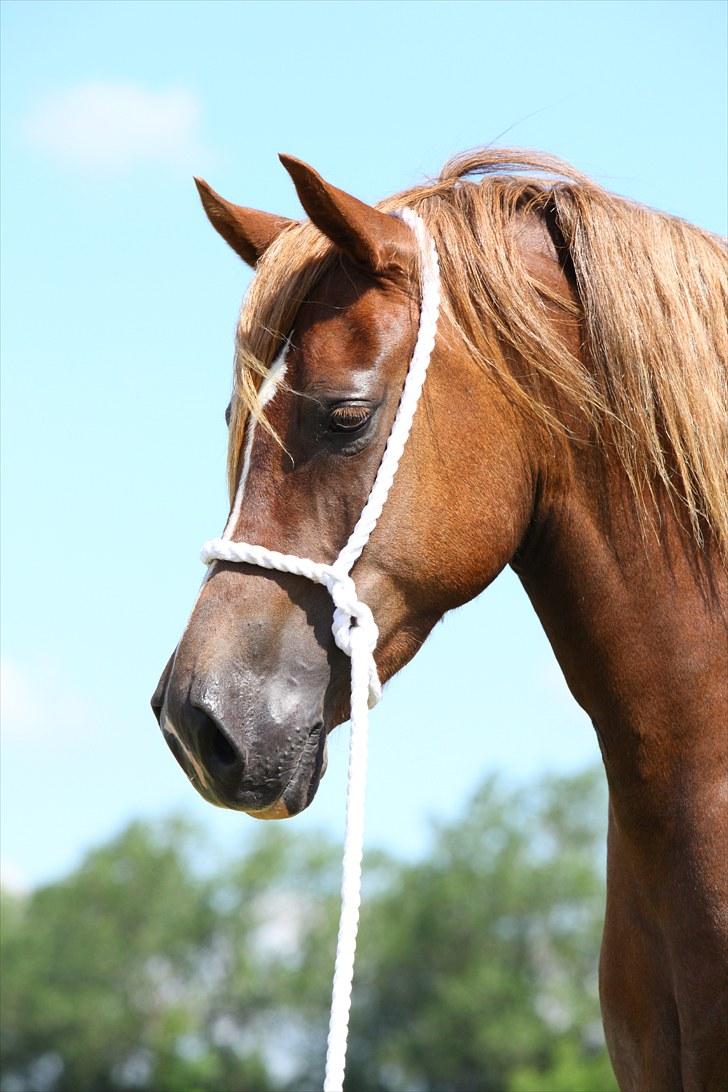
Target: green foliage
{"x":479,"y":968}
{"x":476,"y":967}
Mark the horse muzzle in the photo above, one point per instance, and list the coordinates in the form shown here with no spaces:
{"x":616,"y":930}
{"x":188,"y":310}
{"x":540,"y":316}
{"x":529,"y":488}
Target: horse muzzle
{"x":253,"y":747}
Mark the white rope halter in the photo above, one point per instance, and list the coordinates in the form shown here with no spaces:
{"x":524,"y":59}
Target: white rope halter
{"x":356,"y":633}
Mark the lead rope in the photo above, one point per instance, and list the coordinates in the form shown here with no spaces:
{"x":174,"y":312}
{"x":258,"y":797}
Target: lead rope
{"x":356,"y":634}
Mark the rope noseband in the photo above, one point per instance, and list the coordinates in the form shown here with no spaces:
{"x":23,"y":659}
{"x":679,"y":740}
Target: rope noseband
{"x":356,"y":634}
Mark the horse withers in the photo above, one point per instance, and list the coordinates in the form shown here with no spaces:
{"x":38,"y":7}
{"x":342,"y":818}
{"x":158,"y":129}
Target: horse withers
{"x":573,"y":424}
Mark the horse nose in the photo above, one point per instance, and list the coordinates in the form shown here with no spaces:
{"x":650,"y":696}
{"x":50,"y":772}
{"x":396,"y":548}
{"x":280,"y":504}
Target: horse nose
{"x":219,"y":755}
{"x":159,"y":695}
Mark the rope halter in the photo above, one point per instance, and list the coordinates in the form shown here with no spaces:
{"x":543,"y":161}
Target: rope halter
{"x":356,"y":634}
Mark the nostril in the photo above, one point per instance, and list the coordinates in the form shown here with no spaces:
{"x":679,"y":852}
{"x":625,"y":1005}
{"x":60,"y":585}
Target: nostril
{"x":222,"y":748}
{"x":214,"y":748}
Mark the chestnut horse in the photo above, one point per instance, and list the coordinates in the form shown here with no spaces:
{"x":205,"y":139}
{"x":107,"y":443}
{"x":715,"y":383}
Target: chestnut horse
{"x":573,"y":425}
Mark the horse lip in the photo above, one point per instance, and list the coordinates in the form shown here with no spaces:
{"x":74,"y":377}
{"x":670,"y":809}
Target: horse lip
{"x":303,"y":782}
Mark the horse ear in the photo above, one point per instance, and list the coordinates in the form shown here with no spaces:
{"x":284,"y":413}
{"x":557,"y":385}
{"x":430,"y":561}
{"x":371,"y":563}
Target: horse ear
{"x":248,"y":231}
{"x":375,"y":240}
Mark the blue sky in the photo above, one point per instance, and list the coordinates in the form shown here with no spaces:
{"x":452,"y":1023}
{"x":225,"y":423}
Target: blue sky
{"x":119,"y":305}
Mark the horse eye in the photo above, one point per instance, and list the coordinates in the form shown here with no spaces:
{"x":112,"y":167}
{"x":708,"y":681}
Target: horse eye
{"x":227,"y":414}
{"x":348,"y":418}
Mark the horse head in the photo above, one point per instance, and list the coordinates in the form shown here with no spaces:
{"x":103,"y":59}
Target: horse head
{"x":257,"y":682}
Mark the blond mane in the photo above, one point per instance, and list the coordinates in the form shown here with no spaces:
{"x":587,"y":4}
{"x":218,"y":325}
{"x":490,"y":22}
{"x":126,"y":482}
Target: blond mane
{"x":652,"y":302}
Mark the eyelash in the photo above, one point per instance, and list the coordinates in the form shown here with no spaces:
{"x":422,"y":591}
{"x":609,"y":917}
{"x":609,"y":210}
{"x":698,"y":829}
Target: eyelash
{"x":348,"y":419}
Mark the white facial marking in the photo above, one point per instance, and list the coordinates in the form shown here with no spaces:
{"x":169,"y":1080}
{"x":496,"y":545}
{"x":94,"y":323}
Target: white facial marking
{"x":168,"y":724}
{"x":266,"y":394}
{"x":169,"y":728}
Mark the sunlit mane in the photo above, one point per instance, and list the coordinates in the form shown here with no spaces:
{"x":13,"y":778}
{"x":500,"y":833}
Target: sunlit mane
{"x":652,"y":296}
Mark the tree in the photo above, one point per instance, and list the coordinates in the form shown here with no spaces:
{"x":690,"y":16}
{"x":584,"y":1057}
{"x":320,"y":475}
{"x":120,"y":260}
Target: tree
{"x":106,"y":976}
{"x":476,"y":966}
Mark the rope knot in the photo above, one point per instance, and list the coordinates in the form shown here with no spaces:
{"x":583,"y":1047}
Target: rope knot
{"x":354,"y":629}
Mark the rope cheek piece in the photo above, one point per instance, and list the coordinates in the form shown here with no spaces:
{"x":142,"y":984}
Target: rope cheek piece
{"x":356,"y":634}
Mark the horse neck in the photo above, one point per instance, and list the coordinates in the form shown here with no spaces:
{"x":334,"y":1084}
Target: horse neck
{"x":637,"y":618}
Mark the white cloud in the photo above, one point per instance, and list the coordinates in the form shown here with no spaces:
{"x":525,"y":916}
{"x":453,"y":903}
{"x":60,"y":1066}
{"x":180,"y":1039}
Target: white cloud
{"x":40,"y":707}
{"x":117,"y":125}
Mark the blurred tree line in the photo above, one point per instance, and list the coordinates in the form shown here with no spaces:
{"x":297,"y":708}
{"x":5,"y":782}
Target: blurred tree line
{"x":476,"y":967}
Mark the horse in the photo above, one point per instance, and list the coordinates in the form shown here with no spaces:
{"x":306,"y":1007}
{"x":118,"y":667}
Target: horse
{"x":573,"y":425}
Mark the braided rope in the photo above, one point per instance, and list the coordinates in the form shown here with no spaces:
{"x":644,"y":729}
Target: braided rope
{"x":356,"y":634}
